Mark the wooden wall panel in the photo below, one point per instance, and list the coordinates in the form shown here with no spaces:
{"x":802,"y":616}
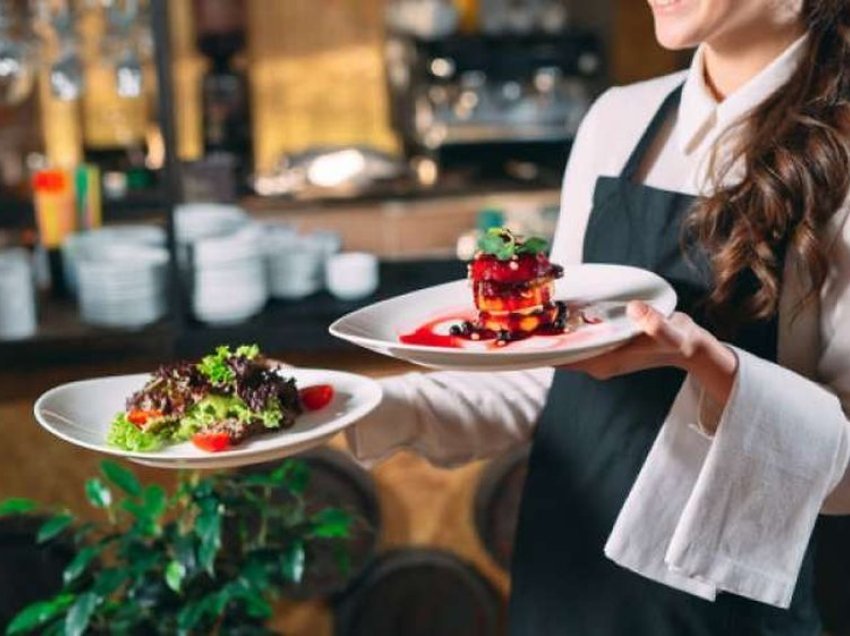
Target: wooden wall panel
{"x":635,"y":53}
{"x":317,"y":75}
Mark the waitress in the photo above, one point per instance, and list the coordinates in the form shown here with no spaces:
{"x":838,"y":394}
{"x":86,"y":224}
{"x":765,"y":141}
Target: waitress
{"x":729,"y":180}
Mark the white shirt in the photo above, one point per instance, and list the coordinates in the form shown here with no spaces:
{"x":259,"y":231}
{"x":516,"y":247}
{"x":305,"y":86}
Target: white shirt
{"x":452,"y":417}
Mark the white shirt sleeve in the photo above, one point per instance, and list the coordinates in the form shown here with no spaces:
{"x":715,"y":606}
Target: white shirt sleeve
{"x":455,"y":417}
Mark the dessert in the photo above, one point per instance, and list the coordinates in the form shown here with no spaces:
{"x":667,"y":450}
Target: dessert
{"x":513,"y":285}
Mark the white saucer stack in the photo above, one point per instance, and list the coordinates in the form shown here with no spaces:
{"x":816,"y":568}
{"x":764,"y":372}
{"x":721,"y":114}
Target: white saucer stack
{"x":222,"y":258}
{"x":296,"y":262}
{"x":87,"y":244}
{"x":122,"y":285}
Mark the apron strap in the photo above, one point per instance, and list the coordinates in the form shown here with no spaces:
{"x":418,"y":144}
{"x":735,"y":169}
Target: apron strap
{"x":633,"y":164}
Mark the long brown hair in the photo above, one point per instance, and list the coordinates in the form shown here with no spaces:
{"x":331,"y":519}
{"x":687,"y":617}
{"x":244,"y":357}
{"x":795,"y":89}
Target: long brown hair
{"x":795,"y":150}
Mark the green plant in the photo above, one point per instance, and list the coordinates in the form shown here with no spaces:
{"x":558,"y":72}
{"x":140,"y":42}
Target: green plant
{"x":208,"y":558}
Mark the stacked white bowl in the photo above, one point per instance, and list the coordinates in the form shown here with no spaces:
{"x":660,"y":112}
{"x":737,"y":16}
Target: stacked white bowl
{"x":296,"y":262}
{"x":122,"y":285}
{"x":87,"y":245}
{"x":17,"y":295}
{"x":222,"y":258}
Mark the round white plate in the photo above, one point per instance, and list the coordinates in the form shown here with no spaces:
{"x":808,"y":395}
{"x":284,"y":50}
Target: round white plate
{"x":81,"y":413}
{"x":606,"y":287}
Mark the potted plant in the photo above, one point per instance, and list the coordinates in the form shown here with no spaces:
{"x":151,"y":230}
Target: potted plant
{"x":208,"y":558}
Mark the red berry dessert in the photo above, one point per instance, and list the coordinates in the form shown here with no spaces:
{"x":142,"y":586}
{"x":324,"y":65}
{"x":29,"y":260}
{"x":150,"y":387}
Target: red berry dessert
{"x":513,"y":283}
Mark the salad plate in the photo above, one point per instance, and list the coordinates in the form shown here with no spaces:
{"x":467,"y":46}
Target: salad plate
{"x":84,"y":413}
{"x":425,"y":327}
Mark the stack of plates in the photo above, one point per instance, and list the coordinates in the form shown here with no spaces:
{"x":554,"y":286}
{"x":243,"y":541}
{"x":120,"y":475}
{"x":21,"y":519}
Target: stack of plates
{"x":87,"y":245}
{"x":122,"y":285}
{"x":296,"y":262}
{"x":17,"y":291}
{"x":222,"y":262}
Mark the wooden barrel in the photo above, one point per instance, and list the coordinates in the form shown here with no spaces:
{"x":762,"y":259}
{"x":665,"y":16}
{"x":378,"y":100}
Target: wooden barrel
{"x":338,"y":481}
{"x":420,"y":592}
{"x":497,"y":502}
{"x":28,"y":572}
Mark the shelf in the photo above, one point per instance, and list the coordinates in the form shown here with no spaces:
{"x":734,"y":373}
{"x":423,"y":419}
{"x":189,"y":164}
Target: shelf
{"x":62,"y":337}
{"x":293,"y":326}
{"x":302,"y":326}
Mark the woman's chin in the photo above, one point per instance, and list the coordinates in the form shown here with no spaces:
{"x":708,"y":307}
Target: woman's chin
{"x":675,"y":37}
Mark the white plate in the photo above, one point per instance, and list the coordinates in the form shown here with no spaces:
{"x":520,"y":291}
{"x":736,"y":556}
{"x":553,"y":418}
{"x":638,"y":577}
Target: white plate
{"x":608,"y":287}
{"x":81,"y":413}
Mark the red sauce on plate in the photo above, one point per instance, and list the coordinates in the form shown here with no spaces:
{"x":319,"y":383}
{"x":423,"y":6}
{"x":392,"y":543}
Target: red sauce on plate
{"x":428,"y":334}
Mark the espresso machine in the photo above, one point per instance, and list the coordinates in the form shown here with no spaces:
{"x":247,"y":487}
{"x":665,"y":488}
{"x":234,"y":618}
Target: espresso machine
{"x":504,"y":97}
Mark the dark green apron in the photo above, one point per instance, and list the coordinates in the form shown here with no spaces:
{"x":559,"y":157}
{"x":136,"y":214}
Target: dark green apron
{"x":592,"y":439}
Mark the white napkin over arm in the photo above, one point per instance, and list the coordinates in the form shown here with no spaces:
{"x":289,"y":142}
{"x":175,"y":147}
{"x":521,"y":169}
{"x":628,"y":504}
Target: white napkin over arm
{"x":734,"y":513}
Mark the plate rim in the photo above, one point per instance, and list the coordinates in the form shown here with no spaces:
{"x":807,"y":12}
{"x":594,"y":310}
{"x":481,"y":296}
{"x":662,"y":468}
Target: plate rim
{"x":384,"y":345}
{"x":374,"y":399}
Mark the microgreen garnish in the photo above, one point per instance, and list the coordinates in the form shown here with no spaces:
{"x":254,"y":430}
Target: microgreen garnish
{"x":504,"y":244}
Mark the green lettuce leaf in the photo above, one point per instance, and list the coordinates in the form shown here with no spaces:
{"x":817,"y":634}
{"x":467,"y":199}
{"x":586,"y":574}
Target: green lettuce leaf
{"x":124,"y":434}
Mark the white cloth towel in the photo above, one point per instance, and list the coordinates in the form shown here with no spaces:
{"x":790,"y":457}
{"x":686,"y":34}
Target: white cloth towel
{"x":734,"y":513}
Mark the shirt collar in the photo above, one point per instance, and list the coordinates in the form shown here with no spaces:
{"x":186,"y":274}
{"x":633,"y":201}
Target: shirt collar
{"x":699,"y":113}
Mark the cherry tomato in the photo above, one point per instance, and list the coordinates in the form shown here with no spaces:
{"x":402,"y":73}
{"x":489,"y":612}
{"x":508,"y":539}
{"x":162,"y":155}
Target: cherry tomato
{"x":141,"y":416}
{"x":316,"y":397}
{"x":211,"y":442}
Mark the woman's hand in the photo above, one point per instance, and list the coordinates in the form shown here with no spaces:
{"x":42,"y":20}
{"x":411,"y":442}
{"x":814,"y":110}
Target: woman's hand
{"x":668,"y":342}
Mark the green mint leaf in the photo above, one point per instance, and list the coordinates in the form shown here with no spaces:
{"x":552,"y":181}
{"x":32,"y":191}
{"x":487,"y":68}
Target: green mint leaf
{"x":533,"y":245}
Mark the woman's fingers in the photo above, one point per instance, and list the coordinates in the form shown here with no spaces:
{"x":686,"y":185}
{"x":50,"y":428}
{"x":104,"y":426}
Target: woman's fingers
{"x":655,"y":325}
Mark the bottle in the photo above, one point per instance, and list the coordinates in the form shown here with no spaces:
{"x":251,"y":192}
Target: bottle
{"x":225,"y":100}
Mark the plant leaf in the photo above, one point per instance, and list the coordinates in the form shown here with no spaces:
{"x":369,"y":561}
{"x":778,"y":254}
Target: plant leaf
{"x":189,"y":616}
{"x":208,"y":530}
{"x":98,"y":493}
{"x":38,"y":614}
{"x":184,"y":551}
{"x":53,"y":527}
{"x":154,"y":501}
{"x":109,"y":579}
{"x":78,"y":617}
{"x":16,"y":506}
{"x":343,"y":559}
{"x":79,"y":564}
{"x":174,"y":574}
{"x":292,"y":561}
{"x":121,"y":477}
{"x":294,"y":474}
{"x":331,"y":523}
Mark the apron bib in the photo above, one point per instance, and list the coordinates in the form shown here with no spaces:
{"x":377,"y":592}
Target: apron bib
{"x":592,"y":439}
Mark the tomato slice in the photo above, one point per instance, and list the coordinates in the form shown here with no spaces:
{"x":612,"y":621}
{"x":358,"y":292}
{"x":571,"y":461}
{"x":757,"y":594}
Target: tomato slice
{"x":316,"y":397}
{"x":211,"y":442}
{"x":141,"y":416}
